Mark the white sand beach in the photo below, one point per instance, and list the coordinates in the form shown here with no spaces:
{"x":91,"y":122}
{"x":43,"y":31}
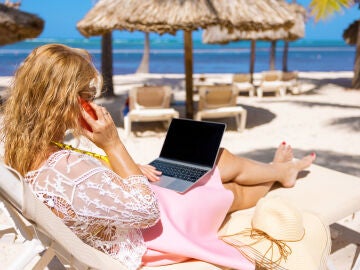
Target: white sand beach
{"x":324,"y":118}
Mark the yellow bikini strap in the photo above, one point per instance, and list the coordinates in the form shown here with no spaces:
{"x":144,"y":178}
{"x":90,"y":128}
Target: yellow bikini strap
{"x":69,"y":147}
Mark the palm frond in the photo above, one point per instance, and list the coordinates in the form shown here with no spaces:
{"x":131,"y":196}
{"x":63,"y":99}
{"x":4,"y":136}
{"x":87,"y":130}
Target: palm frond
{"x":322,"y":9}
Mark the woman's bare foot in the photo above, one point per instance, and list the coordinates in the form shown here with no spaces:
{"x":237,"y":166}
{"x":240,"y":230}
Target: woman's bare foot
{"x":283,"y":153}
{"x":292,"y":168}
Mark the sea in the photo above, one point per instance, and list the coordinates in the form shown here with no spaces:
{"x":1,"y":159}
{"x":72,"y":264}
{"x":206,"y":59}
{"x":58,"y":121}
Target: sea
{"x":167,"y":55}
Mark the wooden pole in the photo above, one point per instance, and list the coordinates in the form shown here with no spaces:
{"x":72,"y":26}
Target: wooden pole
{"x":189,"y":73}
{"x":272,"y":55}
{"x":107,"y":64}
{"x":285,"y":56}
{"x":252,"y":60}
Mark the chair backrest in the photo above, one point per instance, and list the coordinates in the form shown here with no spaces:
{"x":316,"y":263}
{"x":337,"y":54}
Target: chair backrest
{"x":271,"y":75}
{"x":150,"y":97}
{"x":52,"y":232}
{"x":289,"y":76}
{"x":241,"y":77}
{"x":217,"y":96}
{"x":11,"y":186}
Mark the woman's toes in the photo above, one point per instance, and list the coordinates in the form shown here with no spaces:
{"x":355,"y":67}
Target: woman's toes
{"x":279,"y":153}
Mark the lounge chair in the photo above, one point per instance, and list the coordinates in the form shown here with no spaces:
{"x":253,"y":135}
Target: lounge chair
{"x":219,"y":101}
{"x":242,"y":83}
{"x":36,"y":222}
{"x":291,"y":81}
{"x":147,"y":104}
{"x":328,"y":193}
{"x":271,"y":81}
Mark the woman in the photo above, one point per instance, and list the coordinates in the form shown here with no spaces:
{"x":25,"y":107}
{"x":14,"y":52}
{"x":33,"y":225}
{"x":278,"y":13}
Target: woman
{"x":108,"y":202}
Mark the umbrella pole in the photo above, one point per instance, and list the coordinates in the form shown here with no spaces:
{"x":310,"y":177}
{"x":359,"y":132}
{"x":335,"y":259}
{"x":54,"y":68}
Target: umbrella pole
{"x":285,"y":56}
{"x":107,"y":64}
{"x":252,"y":60}
{"x":188,"y":73}
{"x":272,"y":55}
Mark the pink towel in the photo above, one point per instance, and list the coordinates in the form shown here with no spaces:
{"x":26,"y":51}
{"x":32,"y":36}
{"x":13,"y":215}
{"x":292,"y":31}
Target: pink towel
{"x":189,"y":224}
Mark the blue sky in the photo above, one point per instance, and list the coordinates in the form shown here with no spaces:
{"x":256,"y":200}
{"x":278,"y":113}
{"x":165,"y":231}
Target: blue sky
{"x":61,"y":17}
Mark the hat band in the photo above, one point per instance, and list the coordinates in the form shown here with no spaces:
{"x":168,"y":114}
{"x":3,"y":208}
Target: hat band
{"x":261,"y":259}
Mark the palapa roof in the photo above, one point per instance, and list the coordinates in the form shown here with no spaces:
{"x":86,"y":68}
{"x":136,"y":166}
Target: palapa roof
{"x":169,"y":16}
{"x":221,"y":35}
{"x":350,"y":34}
{"x":16,"y":25}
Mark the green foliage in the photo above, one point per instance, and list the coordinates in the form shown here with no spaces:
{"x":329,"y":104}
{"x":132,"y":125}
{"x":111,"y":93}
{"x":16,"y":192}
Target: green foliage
{"x":321,"y":9}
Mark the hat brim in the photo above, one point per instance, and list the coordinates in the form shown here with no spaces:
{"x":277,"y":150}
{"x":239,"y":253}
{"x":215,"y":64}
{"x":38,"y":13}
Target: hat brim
{"x":309,"y":253}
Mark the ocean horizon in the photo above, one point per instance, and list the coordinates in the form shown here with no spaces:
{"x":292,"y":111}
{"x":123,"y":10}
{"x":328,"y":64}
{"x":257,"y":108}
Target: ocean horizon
{"x":167,"y":55}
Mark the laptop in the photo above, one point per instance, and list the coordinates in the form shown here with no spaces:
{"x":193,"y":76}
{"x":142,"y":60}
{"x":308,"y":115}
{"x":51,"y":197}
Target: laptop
{"x":188,"y":154}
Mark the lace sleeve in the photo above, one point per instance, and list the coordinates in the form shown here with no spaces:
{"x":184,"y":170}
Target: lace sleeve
{"x":94,"y":191}
{"x":129,"y":202}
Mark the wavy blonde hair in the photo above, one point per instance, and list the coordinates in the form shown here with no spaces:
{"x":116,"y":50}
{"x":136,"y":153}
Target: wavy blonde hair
{"x":43,"y":102}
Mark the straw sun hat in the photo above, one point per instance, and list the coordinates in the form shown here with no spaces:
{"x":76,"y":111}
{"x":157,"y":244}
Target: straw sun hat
{"x":279,"y":236}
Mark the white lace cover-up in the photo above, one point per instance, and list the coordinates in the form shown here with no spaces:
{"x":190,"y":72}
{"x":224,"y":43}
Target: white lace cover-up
{"x":104,"y":210}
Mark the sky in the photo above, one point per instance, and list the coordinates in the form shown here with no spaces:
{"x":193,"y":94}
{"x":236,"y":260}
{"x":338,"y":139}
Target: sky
{"x":61,"y":17}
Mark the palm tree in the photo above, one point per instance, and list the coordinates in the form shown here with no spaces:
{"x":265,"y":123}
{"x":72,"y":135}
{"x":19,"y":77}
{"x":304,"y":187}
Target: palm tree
{"x":286,"y":51}
{"x":321,"y":9}
{"x":144,"y":64}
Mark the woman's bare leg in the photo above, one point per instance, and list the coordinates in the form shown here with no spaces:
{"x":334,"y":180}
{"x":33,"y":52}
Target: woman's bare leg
{"x":250,"y":180}
{"x":249,"y":172}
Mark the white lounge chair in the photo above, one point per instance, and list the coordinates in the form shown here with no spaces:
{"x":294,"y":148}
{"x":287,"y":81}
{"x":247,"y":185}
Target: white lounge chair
{"x":219,"y":101}
{"x":147,"y":104}
{"x":328,"y":193}
{"x":242,"y":83}
{"x":271,"y":81}
{"x":36,"y":222}
{"x":292,"y":84}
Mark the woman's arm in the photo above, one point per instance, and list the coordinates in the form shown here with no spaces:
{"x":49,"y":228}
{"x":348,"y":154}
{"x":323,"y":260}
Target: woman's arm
{"x":128,"y":203}
{"x":106,"y":137}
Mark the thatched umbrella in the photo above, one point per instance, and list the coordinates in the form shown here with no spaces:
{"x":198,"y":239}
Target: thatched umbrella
{"x":221,"y":35}
{"x":16,"y":25}
{"x":169,"y":16}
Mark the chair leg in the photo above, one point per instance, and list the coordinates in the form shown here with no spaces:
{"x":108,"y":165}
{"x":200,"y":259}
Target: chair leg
{"x":127,"y":126}
{"x":241,"y":121}
{"x":251,"y":93}
{"x":45,"y":259}
{"x":197,"y":116}
{"x":8,"y":231}
{"x":282,"y":91}
{"x":259,"y":92}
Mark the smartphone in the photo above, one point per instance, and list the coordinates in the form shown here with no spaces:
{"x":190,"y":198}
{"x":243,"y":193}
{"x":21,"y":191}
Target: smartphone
{"x":87,"y":107}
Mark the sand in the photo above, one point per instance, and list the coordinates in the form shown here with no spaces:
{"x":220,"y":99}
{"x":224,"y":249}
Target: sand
{"x":324,"y":118}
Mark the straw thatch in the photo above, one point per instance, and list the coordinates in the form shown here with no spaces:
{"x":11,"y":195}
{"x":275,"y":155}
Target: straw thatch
{"x":221,"y":35}
{"x":169,"y":16}
{"x":16,"y":25}
{"x":351,"y":33}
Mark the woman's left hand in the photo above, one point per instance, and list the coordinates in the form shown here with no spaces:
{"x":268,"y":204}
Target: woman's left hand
{"x":150,"y":172}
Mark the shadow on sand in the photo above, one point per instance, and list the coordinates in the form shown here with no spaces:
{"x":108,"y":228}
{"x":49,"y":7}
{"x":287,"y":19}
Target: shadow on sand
{"x":339,"y":81}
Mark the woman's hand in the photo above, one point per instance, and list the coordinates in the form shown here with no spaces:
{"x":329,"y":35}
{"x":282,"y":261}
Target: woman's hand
{"x":104,"y":133}
{"x":150,"y":172}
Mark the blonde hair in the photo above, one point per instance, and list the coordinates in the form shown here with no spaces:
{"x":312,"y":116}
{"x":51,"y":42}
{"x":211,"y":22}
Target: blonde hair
{"x":43,"y":102}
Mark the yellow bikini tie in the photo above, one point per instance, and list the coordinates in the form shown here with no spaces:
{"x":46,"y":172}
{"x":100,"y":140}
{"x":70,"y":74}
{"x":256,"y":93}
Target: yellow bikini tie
{"x":69,"y":147}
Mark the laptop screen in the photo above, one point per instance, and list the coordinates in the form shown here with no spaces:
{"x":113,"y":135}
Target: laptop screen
{"x":192,"y":141}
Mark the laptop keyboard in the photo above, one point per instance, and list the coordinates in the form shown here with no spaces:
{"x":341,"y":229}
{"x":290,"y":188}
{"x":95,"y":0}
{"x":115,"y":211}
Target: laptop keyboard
{"x":179,"y":171}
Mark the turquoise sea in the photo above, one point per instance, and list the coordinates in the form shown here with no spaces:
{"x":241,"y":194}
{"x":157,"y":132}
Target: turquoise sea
{"x":167,"y":55}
